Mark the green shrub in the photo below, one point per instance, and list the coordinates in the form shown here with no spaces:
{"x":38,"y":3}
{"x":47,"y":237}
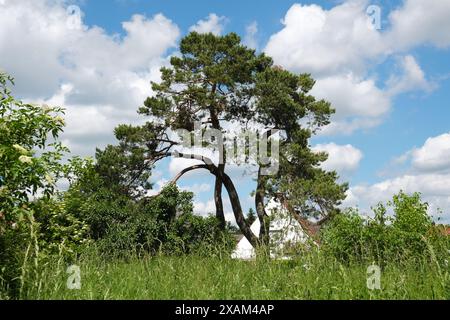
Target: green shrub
{"x":121,"y":223}
{"x":405,"y":234}
{"x":31,"y":220}
{"x":59,"y":231}
{"x":344,"y":236}
{"x":200,"y":236}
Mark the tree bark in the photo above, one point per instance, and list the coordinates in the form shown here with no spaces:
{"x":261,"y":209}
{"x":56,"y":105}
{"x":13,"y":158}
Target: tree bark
{"x":264,"y":236}
{"x":220,"y":215}
{"x":264,"y":233}
{"x":237,"y":210}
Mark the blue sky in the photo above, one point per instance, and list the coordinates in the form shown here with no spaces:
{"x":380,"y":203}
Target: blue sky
{"x":390,"y":86}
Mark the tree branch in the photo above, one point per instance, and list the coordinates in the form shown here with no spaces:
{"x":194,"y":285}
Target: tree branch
{"x":229,"y":185}
{"x":204,"y":159}
{"x":180,"y":175}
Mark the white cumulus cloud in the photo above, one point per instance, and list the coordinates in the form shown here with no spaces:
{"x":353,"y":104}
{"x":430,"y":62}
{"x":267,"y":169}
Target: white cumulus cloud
{"x":213,"y":23}
{"x":411,"y":77}
{"x":340,"y":50}
{"x":344,"y":159}
{"x":434,"y":155}
{"x":100,"y":78}
{"x":418,"y":22}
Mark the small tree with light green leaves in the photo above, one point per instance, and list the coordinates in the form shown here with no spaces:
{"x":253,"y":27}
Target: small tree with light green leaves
{"x":30,"y":165}
{"x":30,"y":162}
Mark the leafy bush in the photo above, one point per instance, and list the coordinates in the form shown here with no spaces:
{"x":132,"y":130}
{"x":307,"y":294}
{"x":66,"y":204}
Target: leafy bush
{"x":59,"y":231}
{"x":200,"y":236}
{"x":120,"y":222}
{"x":32,"y":218}
{"x":23,"y":128}
{"x":407,"y":233}
{"x":343,"y":237}
{"x":29,"y":160}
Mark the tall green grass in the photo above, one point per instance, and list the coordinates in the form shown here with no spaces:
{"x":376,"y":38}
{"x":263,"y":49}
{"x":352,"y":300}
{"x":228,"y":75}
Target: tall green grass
{"x":311,"y":276}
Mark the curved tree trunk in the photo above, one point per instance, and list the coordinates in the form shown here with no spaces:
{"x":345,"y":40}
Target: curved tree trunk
{"x":181,"y":174}
{"x":237,"y":210}
{"x":264,"y":236}
{"x":220,"y":215}
{"x":231,"y":189}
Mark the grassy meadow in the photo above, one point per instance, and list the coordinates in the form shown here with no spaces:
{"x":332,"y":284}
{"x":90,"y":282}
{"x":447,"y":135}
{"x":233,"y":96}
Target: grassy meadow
{"x":192,"y":277}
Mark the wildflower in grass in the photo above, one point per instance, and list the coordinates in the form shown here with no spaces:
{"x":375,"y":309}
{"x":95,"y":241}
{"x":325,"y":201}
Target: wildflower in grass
{"x":26,"y":159}
{"x":20,"y":149}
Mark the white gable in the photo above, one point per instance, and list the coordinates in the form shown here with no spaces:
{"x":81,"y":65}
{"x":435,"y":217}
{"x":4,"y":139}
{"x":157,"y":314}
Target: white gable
{"x":283,"y":230}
